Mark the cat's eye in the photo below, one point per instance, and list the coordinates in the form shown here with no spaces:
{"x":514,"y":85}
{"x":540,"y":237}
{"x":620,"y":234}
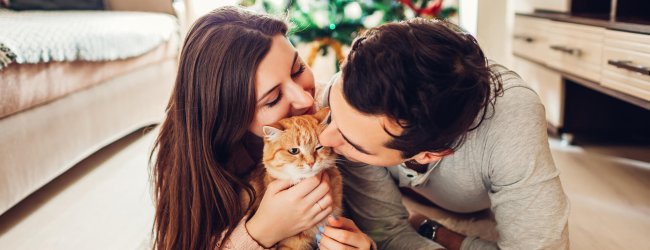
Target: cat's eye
{"x":319,"y":147}
{"x":293,"y":151}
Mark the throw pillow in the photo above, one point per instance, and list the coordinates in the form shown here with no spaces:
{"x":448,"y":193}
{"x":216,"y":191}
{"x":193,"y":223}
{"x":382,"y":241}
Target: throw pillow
{"x":55,"y":4}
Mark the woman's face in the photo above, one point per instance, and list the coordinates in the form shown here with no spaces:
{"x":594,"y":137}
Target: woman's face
{"x":284,"y":86}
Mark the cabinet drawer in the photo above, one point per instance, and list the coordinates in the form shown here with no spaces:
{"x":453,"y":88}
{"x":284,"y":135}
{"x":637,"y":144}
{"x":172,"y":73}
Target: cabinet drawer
{"x":548,"y":85}
{"x":529,"y":39}
{"x":626,"y":63}
{"x":576,"y":49}
{"x":552,"y":5}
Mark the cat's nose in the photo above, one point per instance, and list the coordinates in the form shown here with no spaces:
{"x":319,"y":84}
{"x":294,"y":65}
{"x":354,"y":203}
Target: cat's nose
{"x":310,"y":164}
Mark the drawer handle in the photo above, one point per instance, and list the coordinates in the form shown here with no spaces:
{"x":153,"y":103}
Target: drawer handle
{"x":524,"y":38}
{"x":564,"y":49}
{"x":629,"y":65}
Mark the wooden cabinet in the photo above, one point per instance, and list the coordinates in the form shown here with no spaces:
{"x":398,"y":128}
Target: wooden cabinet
{"x":576,"y":49}
{"x":553,"y":5}
{"x":530,"y":39}
{"x":591,"y":74}
{"x":626,"y":63}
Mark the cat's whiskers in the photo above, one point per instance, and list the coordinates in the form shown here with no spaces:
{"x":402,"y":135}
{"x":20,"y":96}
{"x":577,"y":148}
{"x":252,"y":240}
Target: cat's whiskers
{"x":341,"y":161}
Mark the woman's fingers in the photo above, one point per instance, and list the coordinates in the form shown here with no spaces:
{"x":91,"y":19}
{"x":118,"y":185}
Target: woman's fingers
{"x":350,"y":238}
{"x":320,"y":216}
{"x":342,"y":222}
{"x":319,"y":192}
{"x":306,"y":186}
{"x":326,"y":201}
{"x":322,"y":205}
{"x":277,"y":186}
{"x":321,"y":247}
{"x":328,"y":243}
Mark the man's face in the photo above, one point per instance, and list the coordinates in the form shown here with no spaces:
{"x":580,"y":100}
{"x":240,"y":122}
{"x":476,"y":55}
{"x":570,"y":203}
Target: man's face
{"x":359,"y":137}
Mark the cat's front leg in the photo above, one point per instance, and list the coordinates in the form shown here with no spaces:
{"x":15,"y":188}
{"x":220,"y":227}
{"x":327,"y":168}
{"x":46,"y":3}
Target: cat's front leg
{"x":336,"y":182}
{"x":303,"y":241}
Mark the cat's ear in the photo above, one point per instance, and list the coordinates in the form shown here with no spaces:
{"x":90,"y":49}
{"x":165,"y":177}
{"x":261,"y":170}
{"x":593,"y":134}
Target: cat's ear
{"x":271,"y":133}
{"x":322,"y":114}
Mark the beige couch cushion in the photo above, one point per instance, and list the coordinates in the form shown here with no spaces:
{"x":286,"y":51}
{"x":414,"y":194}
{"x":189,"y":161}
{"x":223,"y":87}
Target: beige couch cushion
{"x":24,"y":86}
{"x":41,"y":143}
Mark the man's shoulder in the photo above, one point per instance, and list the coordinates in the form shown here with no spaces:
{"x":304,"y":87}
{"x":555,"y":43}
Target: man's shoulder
{"x":322,"y":92}
{"x":515,"y":92}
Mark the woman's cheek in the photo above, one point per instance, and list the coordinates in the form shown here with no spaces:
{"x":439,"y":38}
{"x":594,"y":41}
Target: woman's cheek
{"x":274,"y":114}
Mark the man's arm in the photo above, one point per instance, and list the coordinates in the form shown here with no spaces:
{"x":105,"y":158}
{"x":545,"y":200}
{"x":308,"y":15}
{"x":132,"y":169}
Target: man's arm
{"x":530,"y":207}
{"x":374,"y":203}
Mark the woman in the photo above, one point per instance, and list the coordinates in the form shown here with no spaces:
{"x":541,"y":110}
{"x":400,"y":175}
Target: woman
{"x":237,"y":73}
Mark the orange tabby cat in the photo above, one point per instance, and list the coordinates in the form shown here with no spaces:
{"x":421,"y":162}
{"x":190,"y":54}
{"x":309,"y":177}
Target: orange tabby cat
{"x":292,"y":153}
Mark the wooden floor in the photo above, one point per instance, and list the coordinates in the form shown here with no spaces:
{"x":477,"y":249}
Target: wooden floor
{"x":609,"y":193}
{"x":105,"y":201}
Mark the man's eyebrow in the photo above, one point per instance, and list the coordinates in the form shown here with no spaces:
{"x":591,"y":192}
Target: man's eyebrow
{"x":355,"y":146}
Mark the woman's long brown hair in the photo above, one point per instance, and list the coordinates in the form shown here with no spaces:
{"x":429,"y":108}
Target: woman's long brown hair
{"x":211,"y":107}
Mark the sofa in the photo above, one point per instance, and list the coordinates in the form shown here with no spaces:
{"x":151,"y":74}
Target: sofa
{"x":62,"y":106}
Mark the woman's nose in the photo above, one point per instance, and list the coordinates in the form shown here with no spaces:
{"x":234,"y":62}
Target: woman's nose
{"x":300,"y":98}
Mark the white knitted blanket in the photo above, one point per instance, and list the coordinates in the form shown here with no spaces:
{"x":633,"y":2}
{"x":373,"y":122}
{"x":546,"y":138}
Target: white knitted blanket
{"x":44,"y":36}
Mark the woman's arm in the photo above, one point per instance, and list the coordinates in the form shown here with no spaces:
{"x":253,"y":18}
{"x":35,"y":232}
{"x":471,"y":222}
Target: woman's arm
{"x":240,"y":239}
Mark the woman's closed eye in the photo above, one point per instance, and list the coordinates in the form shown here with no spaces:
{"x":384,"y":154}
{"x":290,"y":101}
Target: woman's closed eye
{"x":301,"y":68}
{"x":275,"y":101}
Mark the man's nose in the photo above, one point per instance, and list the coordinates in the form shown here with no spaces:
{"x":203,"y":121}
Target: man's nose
{"x":330,"y":137}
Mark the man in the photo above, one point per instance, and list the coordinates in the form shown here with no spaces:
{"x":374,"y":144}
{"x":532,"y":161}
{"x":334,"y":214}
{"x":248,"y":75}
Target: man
{"x":420,"y":105}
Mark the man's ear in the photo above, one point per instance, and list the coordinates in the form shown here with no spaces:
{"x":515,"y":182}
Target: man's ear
{"x":427,"y":157}
{"x":272,"y":132}
{"x":322,"y":114}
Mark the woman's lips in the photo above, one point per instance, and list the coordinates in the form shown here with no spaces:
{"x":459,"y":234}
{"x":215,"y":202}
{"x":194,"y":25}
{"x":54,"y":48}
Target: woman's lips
{"x":311,"y":110}
{"x":308,"y":111}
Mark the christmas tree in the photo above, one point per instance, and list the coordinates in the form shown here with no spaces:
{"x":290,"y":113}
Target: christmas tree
{"x":335,"y":23}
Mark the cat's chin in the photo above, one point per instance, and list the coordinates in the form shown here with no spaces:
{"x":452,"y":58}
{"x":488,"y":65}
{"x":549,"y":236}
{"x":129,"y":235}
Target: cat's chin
{"x":294,"y":178}
{"x":294,"y":175}
{"x":299,"y":177}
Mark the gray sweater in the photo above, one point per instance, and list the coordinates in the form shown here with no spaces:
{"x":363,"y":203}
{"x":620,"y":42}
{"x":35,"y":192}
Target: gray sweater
{"x":505,"y":165}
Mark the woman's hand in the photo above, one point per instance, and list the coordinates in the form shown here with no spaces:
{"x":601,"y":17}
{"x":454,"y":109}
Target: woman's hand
{"x":342,"y":233}
{"x":286,"y":211}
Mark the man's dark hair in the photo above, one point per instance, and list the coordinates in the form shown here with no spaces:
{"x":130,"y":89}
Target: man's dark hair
{"x":428,"y":75}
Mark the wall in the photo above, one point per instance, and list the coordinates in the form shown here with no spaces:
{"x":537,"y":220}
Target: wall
{"x":492,"y":24}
